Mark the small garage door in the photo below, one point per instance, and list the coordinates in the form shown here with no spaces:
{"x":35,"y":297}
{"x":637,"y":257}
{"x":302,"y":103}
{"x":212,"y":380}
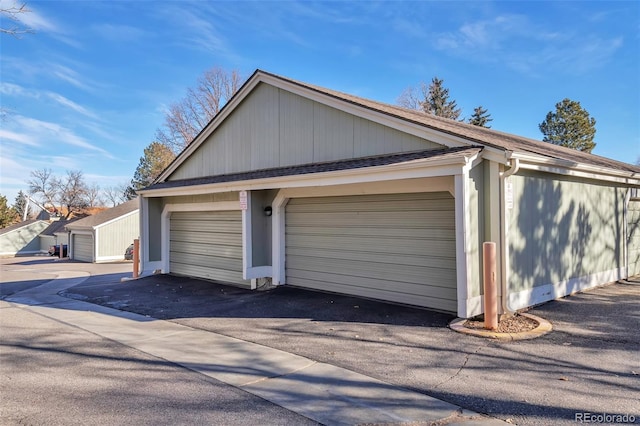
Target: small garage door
{"x":397,"y":247}
{"x":634,"y":237}
{"x":83,"y":247}
{"x":207,"y":245}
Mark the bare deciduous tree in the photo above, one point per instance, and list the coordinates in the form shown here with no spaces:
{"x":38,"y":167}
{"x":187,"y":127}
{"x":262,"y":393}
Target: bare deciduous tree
{"x":11,"y":14}
{"x":186,"y":118}
{"x":116,"y":194}
{"x":93,"y":195}
{"x":70,"y":192}
{"x":43,"y":183}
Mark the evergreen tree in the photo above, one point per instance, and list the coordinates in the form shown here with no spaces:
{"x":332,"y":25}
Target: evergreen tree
{"x":437,"y":101}
{"x":480,"y":117}
{"x":8,"y":215}
{"x":20,"y":204}
{"x":570,"y":125}
{"x":156,"y":158}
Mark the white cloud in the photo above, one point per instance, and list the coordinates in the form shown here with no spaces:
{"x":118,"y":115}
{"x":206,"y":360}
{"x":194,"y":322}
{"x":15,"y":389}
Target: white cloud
{"x":72,"y":105}
{"x":17,"y":137}
{"x":44,"y":132}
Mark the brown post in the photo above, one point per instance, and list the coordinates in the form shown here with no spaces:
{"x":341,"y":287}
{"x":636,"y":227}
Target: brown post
{"x":490,"y":289}
{"x":136,"y":257}
{"x":61,"y":251}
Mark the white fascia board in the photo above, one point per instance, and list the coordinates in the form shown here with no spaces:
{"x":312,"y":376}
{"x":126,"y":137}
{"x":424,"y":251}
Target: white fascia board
{"x":572,"y":168}
{"x":117,"y":218}
{"x":406,"y":170}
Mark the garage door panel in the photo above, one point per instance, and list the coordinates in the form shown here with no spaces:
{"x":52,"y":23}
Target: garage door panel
{"x":206,"y":216}
{"x":205,"y":249}
{"x":224,"y":227}
{"x":383,"y":206}
{"x":208,"y":238}
{"x":210,"y":261}
{"x":362,"y":199}
{"x":365,"y":231}
{"x":207,"y":273}
{"x":365,"y":269}
{"x":394,"y":259}
{"x":207,"y":245}
{"x":372,"y":244}
{"x":426,"y":299}
{"x":395,"y":247}
{"x":83,"y":247}
{"x":445,"y":219}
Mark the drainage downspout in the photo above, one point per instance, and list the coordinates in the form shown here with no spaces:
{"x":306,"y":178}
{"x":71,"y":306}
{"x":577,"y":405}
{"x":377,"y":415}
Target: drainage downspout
{"x":515,"y":166}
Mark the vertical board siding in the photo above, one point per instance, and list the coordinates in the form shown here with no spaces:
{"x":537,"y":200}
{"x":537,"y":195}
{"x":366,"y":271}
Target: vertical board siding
{"x":561,"y":229}
{"x":633,"y":237}
{"x":22,"y":240}
{"x":207,"y":245}
{"x":83,"y":247}
{"x":395,"y":247}
{"x":276,"y":128}
{"x":476,"y":230}
{"x":115,"y":237}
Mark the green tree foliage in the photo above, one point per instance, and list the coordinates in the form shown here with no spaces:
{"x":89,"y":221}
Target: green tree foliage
{"x":20,"y":203}
{"x":438,"y":102}
{"x":480,"y":117}
{"x":570,"y":125}
{"x":156,"y":158}
{"x":8,"y":215}
{"x":433,"y":99}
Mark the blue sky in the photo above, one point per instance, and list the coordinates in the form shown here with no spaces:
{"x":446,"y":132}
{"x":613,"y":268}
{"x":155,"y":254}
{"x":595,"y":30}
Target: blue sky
{"x":89,"y":88}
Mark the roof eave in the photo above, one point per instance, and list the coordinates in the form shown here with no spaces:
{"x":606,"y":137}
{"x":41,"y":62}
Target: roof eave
{"x":572,"y":168}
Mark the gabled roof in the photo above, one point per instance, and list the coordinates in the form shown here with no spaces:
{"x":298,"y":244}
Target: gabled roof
{"x":57,"y":226}
{"x":458,"y":133}
{"x":323,"y":167}
{"x":19,"y":225}
{"x":105,"y":216}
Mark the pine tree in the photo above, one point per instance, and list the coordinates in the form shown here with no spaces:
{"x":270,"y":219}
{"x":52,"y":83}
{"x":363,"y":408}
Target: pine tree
{"x":20,"y":204}
{"x":437,"y":101}
{"x":570,"y":125}
{"x":480,"y":117}
{"x":156,"y":158}
{"x":8,"y":215}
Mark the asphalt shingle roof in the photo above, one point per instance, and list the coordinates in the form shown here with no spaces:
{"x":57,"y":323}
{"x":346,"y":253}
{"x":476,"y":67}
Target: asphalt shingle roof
{"x":480,"y":135}
{"x":18,"y":226}
{"x":105,"y":215}
{"x":331,"y":166}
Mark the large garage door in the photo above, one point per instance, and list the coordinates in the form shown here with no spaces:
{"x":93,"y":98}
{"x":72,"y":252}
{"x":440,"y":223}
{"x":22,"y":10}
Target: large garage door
{"x":83,"y":247}
{"x":634,"y":237}
{"x":207,"y":245}
{"x":398,"y":247}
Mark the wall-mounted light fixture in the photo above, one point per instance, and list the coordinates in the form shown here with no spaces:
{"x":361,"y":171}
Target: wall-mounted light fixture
{"x":268,"y":211}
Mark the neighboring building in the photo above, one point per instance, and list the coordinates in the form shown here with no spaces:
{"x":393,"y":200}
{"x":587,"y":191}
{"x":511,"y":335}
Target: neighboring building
{"x":55,"y":233}
{"x":22,"y":238}
{"x":301,"y":185}
{"x":104,"y":236}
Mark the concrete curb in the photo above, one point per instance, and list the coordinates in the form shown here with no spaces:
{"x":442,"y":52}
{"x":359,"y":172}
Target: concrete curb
{"x":543,"y":328}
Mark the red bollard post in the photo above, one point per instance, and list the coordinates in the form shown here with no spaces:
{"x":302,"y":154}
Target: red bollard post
{"x":136,"y":257}
{"x":490,"y":286}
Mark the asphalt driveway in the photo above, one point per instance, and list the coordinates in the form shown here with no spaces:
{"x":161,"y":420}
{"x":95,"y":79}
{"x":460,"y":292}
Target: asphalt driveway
{"x":589,"y":363}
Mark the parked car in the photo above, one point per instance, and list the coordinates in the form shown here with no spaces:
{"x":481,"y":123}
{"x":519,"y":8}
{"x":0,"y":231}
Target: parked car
{"x":55,"y":250}
{"x":128,"y":253}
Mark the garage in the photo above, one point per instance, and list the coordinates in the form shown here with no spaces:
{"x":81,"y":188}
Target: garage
{"x":634,"y":237}
{"x":394,"y":247}
{"x":83,"y":247}
{"x":207,"y":245}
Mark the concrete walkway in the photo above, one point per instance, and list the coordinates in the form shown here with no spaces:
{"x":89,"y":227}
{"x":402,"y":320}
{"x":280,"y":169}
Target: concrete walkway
{"x":322,"y":392}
